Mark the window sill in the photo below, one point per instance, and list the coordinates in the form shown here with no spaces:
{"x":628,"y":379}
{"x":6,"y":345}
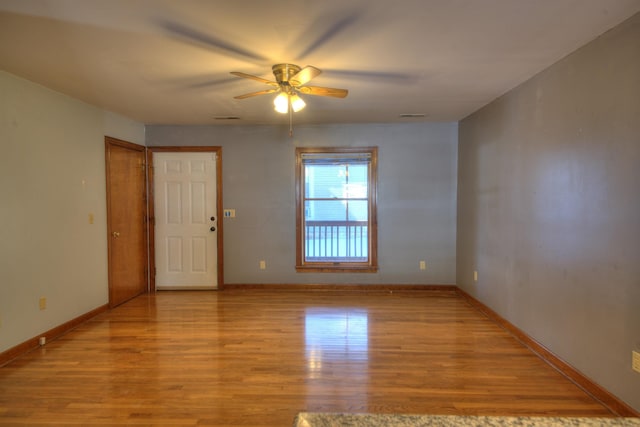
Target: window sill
{"x":330,"y":268}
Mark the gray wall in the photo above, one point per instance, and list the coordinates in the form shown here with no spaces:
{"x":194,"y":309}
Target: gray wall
{"x":549,"y":208}
{"x":52,"y":176}
{"x":416,"y":198}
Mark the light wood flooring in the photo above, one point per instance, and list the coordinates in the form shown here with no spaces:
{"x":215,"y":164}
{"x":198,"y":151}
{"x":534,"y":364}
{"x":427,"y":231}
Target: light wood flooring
{"x":258,"y":357}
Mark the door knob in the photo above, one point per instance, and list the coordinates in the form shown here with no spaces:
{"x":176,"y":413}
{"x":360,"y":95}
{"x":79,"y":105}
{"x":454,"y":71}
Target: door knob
{"x":212,"y":229}
{"x":115,"y":234}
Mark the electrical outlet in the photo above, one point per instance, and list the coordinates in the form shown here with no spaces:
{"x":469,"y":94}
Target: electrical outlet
{"x":43,"y":303}
{"x":263,"y":265}
{"x":475,"y":276}
{"x":423,"y":265}
{"x":635,"y":360}
{"x":91,"y":218}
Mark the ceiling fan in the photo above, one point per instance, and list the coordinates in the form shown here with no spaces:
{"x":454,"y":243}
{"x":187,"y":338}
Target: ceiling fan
{"x":290,"y":81}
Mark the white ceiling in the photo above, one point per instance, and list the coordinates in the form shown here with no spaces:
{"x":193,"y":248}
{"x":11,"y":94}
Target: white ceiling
{"x":168,"y":61}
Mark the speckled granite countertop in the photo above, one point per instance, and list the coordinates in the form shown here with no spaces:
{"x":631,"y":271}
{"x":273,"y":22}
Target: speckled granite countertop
{"x":308,"y":419}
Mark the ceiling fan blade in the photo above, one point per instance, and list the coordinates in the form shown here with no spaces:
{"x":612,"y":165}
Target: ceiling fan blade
{"x":199,"y":38}
{"x":304,"y":76}
{"x":323,"y":91}
{"x":203,"y":82}
{"x":252,"y":77}
{"x":376,"y":76}
{"x":249,"y":95}
{"x":326,"y":29}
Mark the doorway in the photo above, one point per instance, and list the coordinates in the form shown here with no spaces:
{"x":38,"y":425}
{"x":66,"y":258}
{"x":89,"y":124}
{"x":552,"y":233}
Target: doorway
{"x":126,"y":220}
{"x":185,"y":216}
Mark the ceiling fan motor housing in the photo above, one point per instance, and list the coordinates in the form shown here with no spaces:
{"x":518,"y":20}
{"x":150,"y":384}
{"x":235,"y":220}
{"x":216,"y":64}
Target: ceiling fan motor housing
{"x":291,"y":80}
{"x":283,"y":72}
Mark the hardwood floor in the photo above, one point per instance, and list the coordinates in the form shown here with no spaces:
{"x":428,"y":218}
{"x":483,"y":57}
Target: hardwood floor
{"x":258,"y":357}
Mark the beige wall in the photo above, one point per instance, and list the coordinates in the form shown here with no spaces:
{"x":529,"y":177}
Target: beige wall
{"x":51,"y":178}
{"x":549,"y":208}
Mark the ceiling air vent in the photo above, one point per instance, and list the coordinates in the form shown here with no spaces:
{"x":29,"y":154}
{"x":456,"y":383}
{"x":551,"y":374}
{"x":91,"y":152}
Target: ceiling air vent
{"x":413,"y":116}
{"x":227,"y":118}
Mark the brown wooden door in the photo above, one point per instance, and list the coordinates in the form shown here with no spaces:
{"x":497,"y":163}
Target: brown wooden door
{"x":126,"y":220}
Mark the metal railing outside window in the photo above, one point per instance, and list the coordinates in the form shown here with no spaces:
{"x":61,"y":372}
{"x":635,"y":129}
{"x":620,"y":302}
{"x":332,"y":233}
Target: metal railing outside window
{"x":336,"y":241}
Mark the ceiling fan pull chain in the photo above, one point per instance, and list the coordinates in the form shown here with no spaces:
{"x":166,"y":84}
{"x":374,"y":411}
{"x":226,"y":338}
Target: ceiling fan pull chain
{"x":290,"y":119}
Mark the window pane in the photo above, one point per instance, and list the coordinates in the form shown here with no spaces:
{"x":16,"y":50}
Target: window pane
{"x":325,"y":181}
{"x":357,"y":210}
{"x":325,"y":210}
{"x":329,"y":236}
{"x":356,"y":187}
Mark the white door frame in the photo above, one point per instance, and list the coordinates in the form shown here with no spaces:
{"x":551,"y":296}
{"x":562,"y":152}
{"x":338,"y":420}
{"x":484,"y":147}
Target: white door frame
{"x":219,"y":209}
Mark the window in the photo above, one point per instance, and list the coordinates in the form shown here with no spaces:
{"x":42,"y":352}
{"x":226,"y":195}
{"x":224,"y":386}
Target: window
{"x":336,"y":227}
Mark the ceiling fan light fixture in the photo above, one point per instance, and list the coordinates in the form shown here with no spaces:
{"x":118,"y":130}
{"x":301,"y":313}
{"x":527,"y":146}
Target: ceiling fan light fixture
{"x":297,"y":103}
{"x":290,"y":79}
{"x":281,"y":103}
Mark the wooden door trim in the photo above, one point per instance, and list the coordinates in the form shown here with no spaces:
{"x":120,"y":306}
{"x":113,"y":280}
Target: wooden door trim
{"x":151,"y":207}
{"x":109,"y":142}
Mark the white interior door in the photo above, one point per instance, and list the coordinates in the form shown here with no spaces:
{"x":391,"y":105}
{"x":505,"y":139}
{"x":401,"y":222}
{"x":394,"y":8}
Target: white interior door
{"x":185,"y":220}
